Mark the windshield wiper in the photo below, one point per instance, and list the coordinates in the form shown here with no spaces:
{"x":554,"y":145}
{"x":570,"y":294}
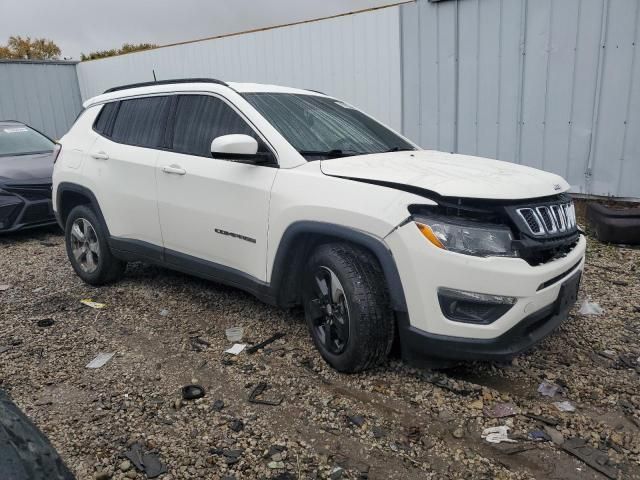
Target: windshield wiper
{"x":399,"y":149}
{"x":335,"y":153}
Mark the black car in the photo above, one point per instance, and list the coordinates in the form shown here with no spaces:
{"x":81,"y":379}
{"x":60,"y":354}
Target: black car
{"x":26,"y":165}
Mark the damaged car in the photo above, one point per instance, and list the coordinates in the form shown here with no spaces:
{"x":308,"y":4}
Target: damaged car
{"x":26,"y":165}
{"x":303,"y":200}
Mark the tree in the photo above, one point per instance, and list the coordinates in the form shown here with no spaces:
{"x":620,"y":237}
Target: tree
{"x":24,"y":48}
{"x":126,"y":48}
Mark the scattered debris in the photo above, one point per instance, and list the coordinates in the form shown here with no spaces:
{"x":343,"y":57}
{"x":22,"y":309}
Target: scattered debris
{"x":357,"y":420}
{"x":217,"y":405}
{"x":590,"y":308}
{"x":232,"y":456}
{"x":147,"y":462}
{"x":236,"y":349}
{"x":4,"y":287}
{"x":544,"y":419}
{"x":549,"y":389}
{"x":596,"y":459}
{"x":275,"y":465}
{"x":258,"y":390}
{"x":501,"y":410}
{"x":236,"y":425}
{"x":539,"y":436}
{"x":191,"y":392}
{"x":45,"y":322}
{"x":336,"y":473}
{"x":497,"y":434}
{"x":565,"y":406}
{"x":253,"y":349}
{"x":198,"y":344}
{"x":5,"y":348}
{"x":90,"y":303}
{"x":100,"y":360}
{"x":164,"y":312}
{"x":234,"y":334}
{"x":456,"y":386}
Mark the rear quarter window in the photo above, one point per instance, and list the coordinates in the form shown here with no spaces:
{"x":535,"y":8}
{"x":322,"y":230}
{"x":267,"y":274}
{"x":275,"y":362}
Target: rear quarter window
{"x":141,"y":121}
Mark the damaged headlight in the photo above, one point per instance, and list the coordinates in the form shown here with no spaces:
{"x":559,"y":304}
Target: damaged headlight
{"x":468,"y":237}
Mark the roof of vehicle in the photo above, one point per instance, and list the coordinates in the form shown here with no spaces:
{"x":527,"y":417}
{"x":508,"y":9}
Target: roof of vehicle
{"x":191,"y":85}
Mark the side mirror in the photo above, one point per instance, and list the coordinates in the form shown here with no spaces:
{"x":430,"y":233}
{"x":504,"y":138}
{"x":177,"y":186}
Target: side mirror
{"x":241,"y":148}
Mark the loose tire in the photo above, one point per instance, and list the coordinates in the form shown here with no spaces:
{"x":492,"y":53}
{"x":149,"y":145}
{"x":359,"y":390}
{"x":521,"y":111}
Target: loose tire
{"x":347,"y":307}
{"x":88,"y":250}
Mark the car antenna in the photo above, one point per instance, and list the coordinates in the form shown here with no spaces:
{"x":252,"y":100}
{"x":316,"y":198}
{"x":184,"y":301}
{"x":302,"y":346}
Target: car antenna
{"x":154,"y":75}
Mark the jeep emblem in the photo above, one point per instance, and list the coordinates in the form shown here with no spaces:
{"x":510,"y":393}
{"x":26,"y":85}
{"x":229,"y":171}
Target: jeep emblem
{"x":557,"y":187}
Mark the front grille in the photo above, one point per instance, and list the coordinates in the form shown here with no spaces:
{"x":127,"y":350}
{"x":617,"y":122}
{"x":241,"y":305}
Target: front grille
{"x":33,"y":192}
{"x":549,"y":219}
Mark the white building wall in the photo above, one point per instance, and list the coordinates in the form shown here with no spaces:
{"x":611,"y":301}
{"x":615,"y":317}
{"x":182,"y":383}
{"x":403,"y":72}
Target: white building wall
{"x":353,"y":57}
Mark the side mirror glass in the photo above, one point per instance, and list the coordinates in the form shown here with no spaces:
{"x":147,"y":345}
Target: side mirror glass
{"x":242,"y":148}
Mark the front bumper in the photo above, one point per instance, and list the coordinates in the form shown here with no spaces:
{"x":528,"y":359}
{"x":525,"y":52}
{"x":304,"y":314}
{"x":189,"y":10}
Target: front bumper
{"x":424,"y":268}
{"x":417,"y":345}
{"x":18,"y":212}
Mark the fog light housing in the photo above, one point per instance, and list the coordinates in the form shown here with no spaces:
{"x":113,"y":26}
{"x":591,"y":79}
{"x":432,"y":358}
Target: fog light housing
{"x":471,"y":307}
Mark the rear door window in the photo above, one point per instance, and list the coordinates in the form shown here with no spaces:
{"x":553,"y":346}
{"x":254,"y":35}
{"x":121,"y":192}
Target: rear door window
{"x":141,"y":121}
{"x":104,"y":122}
{"x":201,"y":118}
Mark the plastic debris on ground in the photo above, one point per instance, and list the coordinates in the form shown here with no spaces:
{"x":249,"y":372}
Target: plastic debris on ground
{"x":100,"y":360}
{"x":236,"y":349}
{"x":497,"y":434}
{"x":192,"y":392}
{"x":164,"y":312}
{"x":234,"y":334}
{"x":147,"y":462}
{"x":590,"y":308}
{"x":539,"y":436}
{"x":254,"y":348}
{"x":45,"y":322}
{"x":549,"y":389}
{"x":565,"y":406}
{"x":90,"y":303}
{"x":501,"y":410}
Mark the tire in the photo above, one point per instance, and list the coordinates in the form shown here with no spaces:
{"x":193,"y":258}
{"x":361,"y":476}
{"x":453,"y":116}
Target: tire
{"x":25,"y":453}
{"x":103,"y":268}
{"x":363,"y":339}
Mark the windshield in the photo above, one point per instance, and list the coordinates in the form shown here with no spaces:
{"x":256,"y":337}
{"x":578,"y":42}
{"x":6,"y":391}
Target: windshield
{"x":322,"y":127}
{"x":17,"y":139}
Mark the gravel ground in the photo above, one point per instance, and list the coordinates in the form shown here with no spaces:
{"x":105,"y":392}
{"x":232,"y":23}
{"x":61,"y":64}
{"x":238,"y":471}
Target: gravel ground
{"x":392,"y":422}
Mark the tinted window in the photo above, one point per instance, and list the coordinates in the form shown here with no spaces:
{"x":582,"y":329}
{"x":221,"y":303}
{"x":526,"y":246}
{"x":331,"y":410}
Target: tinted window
{"x":200,"y":119}
{"x":320,"y":126}
{"x":141,"y":121}
{"x":18,"y":139}
{"x":105,"y":118}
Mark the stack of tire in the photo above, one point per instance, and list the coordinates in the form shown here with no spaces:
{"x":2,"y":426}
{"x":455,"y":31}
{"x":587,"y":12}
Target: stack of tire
{"x":25,"y":453}
{"x":614,"y":225}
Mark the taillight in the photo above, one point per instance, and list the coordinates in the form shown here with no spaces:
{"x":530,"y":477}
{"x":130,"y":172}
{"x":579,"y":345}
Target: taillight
{"x":56,"y":151}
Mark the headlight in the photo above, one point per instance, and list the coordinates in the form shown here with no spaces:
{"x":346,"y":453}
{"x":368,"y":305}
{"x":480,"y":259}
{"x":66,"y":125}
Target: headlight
{"x":468,"y":237}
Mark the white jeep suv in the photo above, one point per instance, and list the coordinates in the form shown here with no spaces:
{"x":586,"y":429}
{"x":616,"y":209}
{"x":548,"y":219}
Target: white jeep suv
{"x":301,"y":199}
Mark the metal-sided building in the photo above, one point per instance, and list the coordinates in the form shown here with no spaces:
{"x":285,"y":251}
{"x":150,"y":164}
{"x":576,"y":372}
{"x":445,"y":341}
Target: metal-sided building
{"x":553,"y":84}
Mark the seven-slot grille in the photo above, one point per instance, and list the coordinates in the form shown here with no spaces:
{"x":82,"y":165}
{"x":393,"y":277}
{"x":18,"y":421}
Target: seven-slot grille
{"x":549,"y":219}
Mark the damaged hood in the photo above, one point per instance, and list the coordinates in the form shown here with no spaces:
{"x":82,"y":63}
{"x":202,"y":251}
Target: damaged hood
{"x":449,"y":175}
{"x":35,"y":167}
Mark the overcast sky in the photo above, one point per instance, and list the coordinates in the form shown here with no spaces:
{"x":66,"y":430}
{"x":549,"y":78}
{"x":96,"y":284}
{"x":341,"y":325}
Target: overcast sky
{"x":88,"y":25}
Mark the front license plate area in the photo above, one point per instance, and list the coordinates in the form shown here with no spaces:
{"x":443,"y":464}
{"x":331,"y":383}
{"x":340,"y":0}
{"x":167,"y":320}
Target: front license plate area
{"x":568,"y":293}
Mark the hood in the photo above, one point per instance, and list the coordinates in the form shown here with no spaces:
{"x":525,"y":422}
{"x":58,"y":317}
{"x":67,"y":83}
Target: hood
{"x":26,"y":168}
{"x":449,"y":175}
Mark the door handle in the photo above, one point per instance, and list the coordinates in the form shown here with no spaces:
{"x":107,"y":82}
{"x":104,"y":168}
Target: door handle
{"x":100,"y":155}
{"x":174,"y":169}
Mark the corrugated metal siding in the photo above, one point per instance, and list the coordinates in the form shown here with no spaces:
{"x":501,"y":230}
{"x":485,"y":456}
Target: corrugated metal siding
{"x":353,"y":57}
{"x":546,"y":83}
{"x":44,"y":95}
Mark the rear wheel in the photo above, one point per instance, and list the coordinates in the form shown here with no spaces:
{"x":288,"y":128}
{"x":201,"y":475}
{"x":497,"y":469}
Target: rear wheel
{"x":88,"y":250}
{"x":347,"y":307}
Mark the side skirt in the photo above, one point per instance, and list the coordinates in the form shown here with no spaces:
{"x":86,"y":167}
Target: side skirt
{"x":135,"y":250}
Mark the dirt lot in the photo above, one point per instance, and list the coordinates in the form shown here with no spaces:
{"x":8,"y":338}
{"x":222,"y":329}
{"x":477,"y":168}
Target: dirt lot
{"x":393,"y":422}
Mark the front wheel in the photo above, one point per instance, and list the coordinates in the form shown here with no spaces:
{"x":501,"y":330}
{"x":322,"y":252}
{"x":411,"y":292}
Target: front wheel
{"x":347,"y":307}
{"x":88,"y":250}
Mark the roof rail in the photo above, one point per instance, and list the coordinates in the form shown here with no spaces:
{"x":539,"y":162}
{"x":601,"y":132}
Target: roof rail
{"x":166,"y":82}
